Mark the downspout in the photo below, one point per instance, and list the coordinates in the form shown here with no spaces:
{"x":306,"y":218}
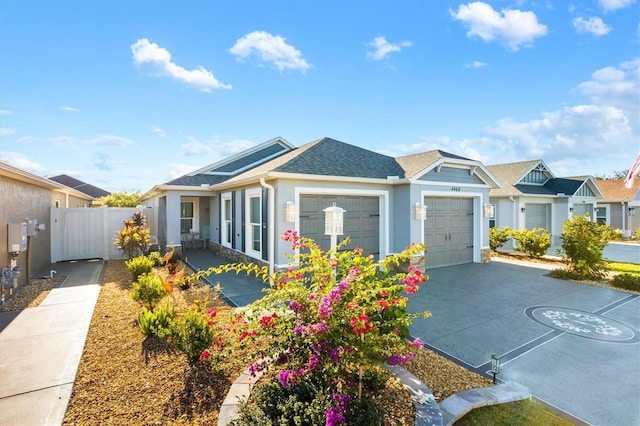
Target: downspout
{"x":272,"y":227}
{"x":514,"y":216}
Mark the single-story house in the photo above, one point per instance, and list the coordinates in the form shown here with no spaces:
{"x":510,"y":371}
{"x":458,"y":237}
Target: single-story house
{"x":241,"y":205}
{"x":620,"y":207}
{"x":26,"y":201}
{"x":77,"y":184}
{"x":532,"y":197}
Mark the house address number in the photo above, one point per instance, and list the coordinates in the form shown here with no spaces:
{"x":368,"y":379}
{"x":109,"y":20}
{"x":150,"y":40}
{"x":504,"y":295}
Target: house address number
{"x":455,"y":188}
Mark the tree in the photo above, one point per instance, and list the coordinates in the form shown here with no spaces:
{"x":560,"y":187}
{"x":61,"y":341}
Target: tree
{"x":121,"y":199}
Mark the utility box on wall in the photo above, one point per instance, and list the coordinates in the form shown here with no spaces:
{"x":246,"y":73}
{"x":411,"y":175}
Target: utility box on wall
{"x":17,"y":237}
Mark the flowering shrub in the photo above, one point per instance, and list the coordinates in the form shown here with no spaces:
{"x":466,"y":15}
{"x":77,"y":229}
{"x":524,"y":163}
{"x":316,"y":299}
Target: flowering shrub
{"x":193,"y":332}
{"x":335,"y":315}
{"x":498,"y":237}
{"x":535,"y":242}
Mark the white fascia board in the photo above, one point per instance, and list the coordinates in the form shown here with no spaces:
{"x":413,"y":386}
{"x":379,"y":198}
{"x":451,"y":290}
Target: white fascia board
{"x":477,"y":167}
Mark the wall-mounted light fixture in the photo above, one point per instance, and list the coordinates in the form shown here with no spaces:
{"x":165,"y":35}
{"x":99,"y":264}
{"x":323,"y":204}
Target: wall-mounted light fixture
{"x":571,"y":209}
{"x":419,"y":211}
{"x":489,"y":210}
{"x":523,"y":209}
{"x":290,"y":212}
{"x":632,"y":211}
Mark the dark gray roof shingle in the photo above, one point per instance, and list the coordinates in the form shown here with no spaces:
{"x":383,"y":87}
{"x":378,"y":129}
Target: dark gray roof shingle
{"x":78,"y":185}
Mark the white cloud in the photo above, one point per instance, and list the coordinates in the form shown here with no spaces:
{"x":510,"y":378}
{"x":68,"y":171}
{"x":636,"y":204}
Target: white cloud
{"x":103,"y":162}
{"x":593,"y":25}
{"x":159,"y":59}
{"x":5,"y":131}
{"x":476,"y":64}
{"x":5,"y":112}
{"x":511,"y":27}
{"x":26,"y":139}
{"x":271,"y":49}
{"x":615,"y":4}
{"x":159,"y":131}
{"x":180,"y":169}
{"x":68,"y":108}
{"x":19,"y":160}
{"x":195,"y":147}
{"x":110,"y":140}
{"x":63,"y":141}
{"x":382,"y":48}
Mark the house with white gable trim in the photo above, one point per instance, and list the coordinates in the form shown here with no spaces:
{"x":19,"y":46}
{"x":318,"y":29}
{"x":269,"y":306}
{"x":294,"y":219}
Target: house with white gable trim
{"x":236,"y":207}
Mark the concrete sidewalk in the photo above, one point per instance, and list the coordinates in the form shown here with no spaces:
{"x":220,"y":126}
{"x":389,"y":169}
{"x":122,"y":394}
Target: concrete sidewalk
{"x":41,"y":348}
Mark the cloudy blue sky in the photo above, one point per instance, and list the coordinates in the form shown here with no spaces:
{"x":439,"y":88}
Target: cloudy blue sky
{"x":126,"y":95}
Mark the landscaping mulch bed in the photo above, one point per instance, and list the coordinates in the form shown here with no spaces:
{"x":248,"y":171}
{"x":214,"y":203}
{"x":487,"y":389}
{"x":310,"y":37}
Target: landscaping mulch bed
{"x":127,"y":379}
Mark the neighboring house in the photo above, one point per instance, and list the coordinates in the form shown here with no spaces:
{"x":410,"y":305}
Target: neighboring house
{"x":244,"y":203}
{"x":27,"y":198}
{"x":532,"y":197}
{"x":620,"y":207}
{"x":71,"y":182}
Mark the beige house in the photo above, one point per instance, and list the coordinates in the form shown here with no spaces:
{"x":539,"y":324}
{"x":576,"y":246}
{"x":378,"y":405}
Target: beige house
{"x":26,"y":198}
{"x":620,"y":207}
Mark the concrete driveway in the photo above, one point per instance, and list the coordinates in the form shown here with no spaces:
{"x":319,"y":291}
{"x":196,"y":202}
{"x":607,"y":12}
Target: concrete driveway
{"x":575,"y":346}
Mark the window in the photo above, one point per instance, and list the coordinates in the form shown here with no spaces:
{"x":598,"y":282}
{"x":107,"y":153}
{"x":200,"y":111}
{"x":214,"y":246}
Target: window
{"x":601,"y":215}
{"x":254,"y":222}
{"x":492,"y":216}
{"x":227,"y":220}
{"x":188,"y":215}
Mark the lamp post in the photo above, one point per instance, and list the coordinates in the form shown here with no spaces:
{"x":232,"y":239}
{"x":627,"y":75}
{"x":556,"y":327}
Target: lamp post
{"x":333,"y":223}
{"x":495,"y":367}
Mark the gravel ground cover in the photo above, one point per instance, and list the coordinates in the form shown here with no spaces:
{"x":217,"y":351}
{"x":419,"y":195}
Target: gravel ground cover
{"x":127,"y":379}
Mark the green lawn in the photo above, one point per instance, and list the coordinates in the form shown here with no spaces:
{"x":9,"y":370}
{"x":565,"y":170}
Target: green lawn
{"x":522,"y":413}
{"x":625,"y":268}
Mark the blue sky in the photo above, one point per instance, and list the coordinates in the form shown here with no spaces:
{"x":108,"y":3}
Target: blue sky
{"x":126,"y":95}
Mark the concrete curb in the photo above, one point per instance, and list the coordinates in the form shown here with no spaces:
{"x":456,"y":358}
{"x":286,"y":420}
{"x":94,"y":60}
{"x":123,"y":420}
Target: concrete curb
{"x":456,"y":406}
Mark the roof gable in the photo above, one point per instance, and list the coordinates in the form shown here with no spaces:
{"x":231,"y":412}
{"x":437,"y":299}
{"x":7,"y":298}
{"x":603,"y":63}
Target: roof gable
{"x":523,"y":177}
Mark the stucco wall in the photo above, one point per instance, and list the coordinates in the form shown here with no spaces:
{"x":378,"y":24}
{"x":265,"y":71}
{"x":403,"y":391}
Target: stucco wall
{"x":19,"y":201}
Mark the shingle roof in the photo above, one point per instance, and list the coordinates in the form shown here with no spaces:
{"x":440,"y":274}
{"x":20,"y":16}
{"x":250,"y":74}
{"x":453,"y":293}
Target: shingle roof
{"x":415,"y":163}
{"x":568,"y":186}
{"x":85,"y":188}
{"x":509,"y":174}
{"x":614,"y":190}
{"x":198,"y":180}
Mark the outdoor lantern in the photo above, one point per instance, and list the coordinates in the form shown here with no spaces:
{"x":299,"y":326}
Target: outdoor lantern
{"x":333,"y":220}
{"x":420,"y":211}
{"x":495,"y":367}
{"x":488,"y":210}
{"x":523,"y":210}
{"x":290,"y":212}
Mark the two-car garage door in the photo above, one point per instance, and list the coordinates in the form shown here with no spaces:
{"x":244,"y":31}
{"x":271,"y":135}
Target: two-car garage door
{"x":361,"y":220}
{"x":448,"y":231}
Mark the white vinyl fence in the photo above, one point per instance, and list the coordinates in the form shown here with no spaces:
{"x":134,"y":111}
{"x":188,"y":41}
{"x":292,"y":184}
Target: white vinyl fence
{"x":86,"y":233}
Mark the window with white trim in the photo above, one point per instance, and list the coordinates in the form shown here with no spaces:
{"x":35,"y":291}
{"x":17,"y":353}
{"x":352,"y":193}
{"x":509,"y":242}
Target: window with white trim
{"x":188,"y":215}
{"x":254,"y":222}
{"x":492,"y":216}
{"x":227,"y":220}
{"x":601,"y":215}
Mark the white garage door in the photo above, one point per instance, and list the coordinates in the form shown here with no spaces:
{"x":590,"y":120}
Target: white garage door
{"x":537,"y":216}
{"x":448,"y":231}
{"x":361,"y":220}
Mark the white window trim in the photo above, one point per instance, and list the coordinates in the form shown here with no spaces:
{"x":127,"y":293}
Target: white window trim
{"x":223,"y":232}
{"x":196,"y":212}
{"x":249,"y":194}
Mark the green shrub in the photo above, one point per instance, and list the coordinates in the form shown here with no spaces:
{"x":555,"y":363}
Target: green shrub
{"x":155,"y":257}
{"x":610,"y":234}
{"x":193,"y":332}
{"x":138,"y":266}
{"x":148,"y":290}
{"x":582,"y":244}
{"x":564,"y":274}
{"x":134,"y":238}
{"x":626,"y":281}
{"x":534,"y":242}
{"x":498,"y":237}
{"x":636,"y":234}
{"x":156,"y":322}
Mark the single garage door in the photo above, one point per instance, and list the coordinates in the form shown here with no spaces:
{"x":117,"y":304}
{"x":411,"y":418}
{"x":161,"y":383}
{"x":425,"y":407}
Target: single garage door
{"x":537,"y":216}
{"x":448,"y":231}
{"x":361,"y":220}
{"x":580,"y":209}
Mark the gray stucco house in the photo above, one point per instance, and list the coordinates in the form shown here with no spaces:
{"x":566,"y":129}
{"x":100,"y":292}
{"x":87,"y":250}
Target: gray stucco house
{"x":237,"y":206}
{"x":532,"y":197}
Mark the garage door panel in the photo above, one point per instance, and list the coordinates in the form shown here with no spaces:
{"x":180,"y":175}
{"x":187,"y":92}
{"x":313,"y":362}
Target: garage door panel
{"x":536,"y":216}
{"x":449,"y":231}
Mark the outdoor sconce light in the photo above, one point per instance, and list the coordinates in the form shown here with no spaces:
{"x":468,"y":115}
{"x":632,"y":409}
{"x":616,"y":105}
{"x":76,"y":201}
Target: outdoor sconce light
{"x":570,"y":209}
{"x":290,"y":212}
{"x":632,"y":211}
{"x":489,"y":210}
{"x":420,"y":211}
{"x":495,"y":367}
{"x":523,"y":210}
